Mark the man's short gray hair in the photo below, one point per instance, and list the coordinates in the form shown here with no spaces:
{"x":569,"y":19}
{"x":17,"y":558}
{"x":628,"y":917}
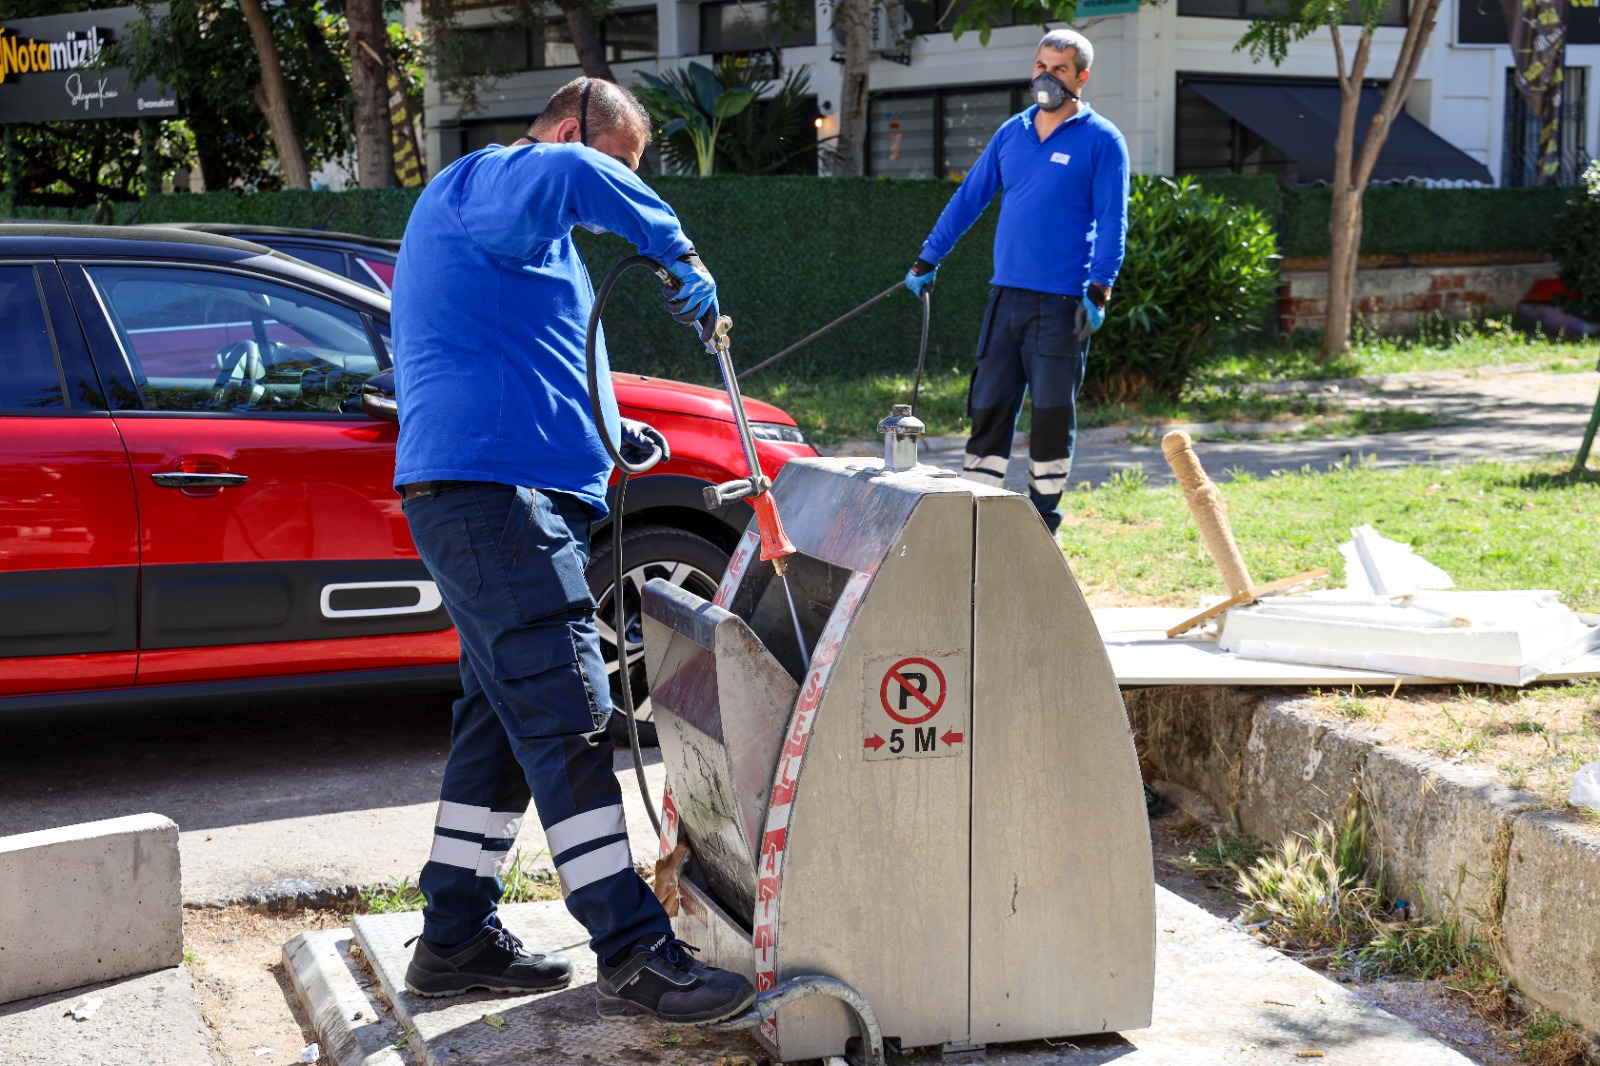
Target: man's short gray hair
{"x":1061,"y":40}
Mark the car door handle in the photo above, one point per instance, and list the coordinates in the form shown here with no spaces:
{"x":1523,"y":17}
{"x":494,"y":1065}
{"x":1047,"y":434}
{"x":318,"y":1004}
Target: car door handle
{"x":179,"y":480}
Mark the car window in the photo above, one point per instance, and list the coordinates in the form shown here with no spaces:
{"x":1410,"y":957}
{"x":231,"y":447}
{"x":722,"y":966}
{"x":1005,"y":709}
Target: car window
{"x":377,"y":273}
{"x":30,"y":378}
{"x":322,"y":257}
{"x":200,"y":340}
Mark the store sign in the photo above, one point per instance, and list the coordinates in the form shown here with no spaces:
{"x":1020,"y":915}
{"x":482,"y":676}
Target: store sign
{"x":49,"y":70}
{"x":1094,"y":9}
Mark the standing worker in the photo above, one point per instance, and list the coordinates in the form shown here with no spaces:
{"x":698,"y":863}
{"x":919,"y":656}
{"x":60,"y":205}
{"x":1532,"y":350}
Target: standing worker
{"x":1057,"y":249}
{"x":502,"y":470}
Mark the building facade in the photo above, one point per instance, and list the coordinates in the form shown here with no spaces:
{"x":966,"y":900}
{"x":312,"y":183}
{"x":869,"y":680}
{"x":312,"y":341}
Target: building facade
{"x":1168,"y":75}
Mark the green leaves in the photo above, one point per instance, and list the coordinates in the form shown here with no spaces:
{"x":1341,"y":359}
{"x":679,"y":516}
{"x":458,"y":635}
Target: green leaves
{"x":692,"y":105}
{"x":1577,"y":248}
{"x":1199,"y":271}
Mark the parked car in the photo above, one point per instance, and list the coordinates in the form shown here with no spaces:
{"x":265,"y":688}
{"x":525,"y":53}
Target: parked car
{"x":366,"y":261}
{"x":193,"y":503}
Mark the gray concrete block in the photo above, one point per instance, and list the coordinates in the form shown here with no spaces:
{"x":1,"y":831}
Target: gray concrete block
{"x":1440,"y":827}
{"x":1296,"y":770}
{"x":87,"y":903}
{"x":151,"y":1020}
{"x":1551,"y":922}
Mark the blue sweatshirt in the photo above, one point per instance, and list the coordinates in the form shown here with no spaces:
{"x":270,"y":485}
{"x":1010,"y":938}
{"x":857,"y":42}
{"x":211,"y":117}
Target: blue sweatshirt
{"x":1064,"y":216}
{"x":491,"y":305}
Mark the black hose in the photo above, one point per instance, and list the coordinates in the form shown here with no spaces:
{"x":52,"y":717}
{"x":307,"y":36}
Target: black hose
{"x":836,"y":323}
{"x":626,"y":470}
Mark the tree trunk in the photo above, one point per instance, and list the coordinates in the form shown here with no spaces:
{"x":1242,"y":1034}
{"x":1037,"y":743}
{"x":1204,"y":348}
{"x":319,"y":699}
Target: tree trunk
{"x":586,"y":39}
{"x":369,"y":87}
{"x":272,"y":97}
{"x":853,"y":18}
{"x":1344,"y":227}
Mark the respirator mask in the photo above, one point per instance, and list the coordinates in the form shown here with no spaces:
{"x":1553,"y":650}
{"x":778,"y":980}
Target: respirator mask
{"x":1050,"y":93}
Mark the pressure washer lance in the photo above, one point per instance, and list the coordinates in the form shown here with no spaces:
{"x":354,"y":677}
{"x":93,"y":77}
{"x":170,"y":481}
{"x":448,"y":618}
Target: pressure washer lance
{"x":775,"y":544}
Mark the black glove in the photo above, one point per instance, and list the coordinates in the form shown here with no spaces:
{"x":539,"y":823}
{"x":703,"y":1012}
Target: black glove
{"x":640,"y":441}
{"x":695,"y":296}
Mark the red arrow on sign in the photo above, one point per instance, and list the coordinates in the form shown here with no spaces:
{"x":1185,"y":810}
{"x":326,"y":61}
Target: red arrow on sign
{"x":952,"y":738}
{"x":874,"y":742}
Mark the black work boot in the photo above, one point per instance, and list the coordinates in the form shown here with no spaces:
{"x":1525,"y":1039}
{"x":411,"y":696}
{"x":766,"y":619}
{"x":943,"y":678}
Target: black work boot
{"x":659,"y":978}
{"x":494,"y":961}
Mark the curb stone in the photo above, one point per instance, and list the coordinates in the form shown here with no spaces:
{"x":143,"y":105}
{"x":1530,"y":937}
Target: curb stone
{"x":1466,"y":841}
{"x":348,"y":1021}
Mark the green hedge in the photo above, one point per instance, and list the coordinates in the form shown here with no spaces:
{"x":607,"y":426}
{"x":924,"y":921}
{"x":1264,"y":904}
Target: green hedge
{"x":1260,"y":191}
{"x":792,"y":253}
{"x":1399,"y":219}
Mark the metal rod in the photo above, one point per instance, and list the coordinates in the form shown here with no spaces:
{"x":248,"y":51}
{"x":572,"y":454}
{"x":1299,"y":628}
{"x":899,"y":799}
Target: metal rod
{"x":730,"y":380}
{"x":1588,"y":439}
{"x":799,"y":634}
{"x":922,"y":352}
{"x":841,"y":320}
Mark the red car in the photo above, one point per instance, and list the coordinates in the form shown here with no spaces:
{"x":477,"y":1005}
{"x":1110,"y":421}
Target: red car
{"x":193,"y":503}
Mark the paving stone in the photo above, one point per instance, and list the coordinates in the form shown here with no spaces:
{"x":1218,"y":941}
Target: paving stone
{"x":1221,"y":997}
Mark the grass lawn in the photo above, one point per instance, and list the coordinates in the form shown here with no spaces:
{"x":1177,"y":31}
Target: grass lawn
{"x":1491,"y":525}
{"x":831,"y":411}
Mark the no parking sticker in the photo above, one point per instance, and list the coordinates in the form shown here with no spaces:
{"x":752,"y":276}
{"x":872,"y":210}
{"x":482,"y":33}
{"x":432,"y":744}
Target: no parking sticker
{"x":915,"y":707}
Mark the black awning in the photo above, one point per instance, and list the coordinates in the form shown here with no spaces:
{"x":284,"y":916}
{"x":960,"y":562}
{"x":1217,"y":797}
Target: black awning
{"x":1302,"y":120}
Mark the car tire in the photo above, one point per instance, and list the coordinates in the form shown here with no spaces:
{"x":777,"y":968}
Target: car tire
{"x":687,"y":560}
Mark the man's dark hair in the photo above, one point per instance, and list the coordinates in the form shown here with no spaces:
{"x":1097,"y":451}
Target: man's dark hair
{"x":610,"y":108}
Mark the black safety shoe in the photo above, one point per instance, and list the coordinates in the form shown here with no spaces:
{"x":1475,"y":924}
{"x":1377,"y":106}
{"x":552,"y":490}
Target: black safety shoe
{"x":494,"y":961}
{"x":659,"y":977}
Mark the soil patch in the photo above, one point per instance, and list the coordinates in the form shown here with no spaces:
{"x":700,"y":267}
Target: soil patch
{"x":235,"y":956}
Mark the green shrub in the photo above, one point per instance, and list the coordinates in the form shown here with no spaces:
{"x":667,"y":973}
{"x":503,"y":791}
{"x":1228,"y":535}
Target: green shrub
{"x":1577,"y":247}
{"x":1198,"y":273}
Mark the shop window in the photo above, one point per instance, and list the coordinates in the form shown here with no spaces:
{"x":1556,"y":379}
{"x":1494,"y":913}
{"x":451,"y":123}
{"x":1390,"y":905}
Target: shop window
{"x":1210,"y":141}
{"x":751,"y":27}
{"x":936,"y":134}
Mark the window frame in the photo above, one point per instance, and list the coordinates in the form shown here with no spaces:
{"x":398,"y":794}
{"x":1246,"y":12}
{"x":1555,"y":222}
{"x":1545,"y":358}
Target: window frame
{"x":1515,"y":120}
{"x":66,"y":406}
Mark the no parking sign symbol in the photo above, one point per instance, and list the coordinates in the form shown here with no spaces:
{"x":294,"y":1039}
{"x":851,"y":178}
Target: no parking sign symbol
{"x":905,"y":714}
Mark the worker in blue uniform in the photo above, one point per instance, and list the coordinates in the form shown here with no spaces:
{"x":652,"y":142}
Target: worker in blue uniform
{"x":1057,"y":250}
{"x":502,"y":471}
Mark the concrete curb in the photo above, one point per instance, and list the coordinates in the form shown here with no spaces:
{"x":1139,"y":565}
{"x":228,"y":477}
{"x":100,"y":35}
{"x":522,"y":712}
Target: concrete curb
{"x":90,"y":902}
{"x":349,"y":1024}
{"x":1526,"y":878}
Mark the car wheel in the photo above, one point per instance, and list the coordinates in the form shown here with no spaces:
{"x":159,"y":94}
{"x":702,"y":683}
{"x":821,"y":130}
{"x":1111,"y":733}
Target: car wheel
{"x":685,"y":559}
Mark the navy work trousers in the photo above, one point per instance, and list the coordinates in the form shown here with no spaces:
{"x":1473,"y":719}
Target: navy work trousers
{"x":1029,"y":344}
{"x":532,"y":719}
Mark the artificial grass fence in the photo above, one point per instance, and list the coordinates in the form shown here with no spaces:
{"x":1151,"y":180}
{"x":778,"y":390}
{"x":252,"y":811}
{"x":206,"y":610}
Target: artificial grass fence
{"x":792,"y":253}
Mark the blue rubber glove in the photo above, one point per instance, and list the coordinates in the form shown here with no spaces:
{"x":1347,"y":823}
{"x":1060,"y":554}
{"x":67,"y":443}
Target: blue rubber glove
{"x":920,"y":276}
{"x":640,"y":441}
{"x":695,"y":297}
{"x":1091,"y":313}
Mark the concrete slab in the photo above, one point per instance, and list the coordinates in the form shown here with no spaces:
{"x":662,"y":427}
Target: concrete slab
{"x":1221,"y":997}
{"x":150,"y":1020}
{"x":1142,"y":655}
{"x":89,"y":902}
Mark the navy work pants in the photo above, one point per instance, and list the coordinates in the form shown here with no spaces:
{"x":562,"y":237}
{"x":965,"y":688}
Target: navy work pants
{"x":532,"y":719}
{"x":1028,"y":345}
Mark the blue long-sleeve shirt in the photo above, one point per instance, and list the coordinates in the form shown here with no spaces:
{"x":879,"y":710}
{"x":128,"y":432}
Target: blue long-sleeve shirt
{"x":490,"y":309}
{"x":1064,"y":216}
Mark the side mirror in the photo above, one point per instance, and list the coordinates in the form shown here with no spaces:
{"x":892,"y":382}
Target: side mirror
{"x":377,"y":397}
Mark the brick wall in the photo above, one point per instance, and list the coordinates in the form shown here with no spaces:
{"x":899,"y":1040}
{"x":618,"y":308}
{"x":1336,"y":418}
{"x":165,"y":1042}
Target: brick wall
{"x":1392,"y":295}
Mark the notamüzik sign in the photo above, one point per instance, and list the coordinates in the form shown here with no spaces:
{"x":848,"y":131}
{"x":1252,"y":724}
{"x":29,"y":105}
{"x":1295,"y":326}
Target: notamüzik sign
{"x":49,"y":70}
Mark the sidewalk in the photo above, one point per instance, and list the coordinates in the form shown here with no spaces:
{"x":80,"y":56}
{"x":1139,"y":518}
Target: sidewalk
{"x":1501,"y":413}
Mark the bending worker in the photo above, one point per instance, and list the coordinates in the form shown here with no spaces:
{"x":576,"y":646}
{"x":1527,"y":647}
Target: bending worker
{"x":1057,"y":249}
{"x":502,"y":471}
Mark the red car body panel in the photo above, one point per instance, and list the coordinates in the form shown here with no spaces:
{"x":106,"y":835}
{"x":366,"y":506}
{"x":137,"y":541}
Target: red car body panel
{"x":66,"y":503}
{"x":182,"y":665}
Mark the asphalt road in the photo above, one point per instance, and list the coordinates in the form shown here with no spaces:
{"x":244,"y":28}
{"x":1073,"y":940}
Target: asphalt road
{"x":272,"y":803}
{"x":281,"y":802}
